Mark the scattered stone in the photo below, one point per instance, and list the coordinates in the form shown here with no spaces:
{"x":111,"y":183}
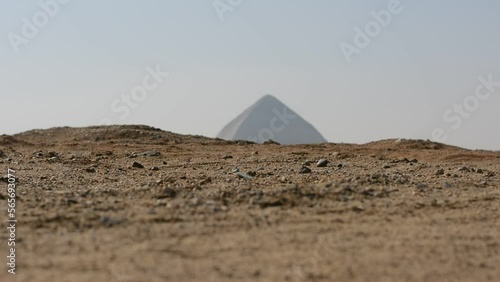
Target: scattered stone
{"x":90,"y":170}
{"x":109,"y":222}
{"x":421,"y":186}
{"x":447,"y":185}
{"x":52,"y":154}
{"x":340,"y":165}
{"x":164,"y":163}
{"x":167,"y":193}
{"x":305,"y":169}
{"x":440,"y":172}
{"x":255,"y":153}
{"x":322,"y":163}
{"x":151,"y":153}
{"x":226,"y":157}
{"x":307,"y":163}
{"x":464,"y":169}
{"x":244,"y":175}
{"x":38,"y":154}
{"x":137,"y":165}
{"x":155,"y":168}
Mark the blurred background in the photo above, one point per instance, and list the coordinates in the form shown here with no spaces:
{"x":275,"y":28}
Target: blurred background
{"x":74,"y":63}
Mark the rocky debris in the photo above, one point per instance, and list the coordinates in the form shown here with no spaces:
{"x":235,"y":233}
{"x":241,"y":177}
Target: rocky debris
{"x":110,"y":222}
{"x":166,"y":193}
{"x":322,"y":163}
{"x":307,"y":163}
{"x":305,"y":169}
{"x":447,"y":185}
{"x":137,"y":165}
{"x":244,"y":175}
{"x":464,"y":169}
{"x":151,"y":153}
{"x":90,"y":170}
{"x":421,"y":186}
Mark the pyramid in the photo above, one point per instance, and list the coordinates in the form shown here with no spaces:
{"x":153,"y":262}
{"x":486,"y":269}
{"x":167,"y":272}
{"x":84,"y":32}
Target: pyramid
{"x":270,"y":119}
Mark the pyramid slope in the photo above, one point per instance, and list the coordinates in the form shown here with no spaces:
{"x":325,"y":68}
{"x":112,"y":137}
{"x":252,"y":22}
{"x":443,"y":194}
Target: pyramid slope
{"x":268,"y":119}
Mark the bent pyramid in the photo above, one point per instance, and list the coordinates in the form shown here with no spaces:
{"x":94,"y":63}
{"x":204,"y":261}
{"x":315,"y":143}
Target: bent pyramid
{"x":269,"y":119}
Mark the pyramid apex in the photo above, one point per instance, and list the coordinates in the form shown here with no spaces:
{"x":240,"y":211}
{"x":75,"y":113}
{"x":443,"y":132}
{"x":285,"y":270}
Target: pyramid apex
{"x":269,"y":118}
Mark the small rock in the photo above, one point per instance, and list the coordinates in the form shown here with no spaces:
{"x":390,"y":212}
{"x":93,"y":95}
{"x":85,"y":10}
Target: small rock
{"x":137,"y":165}
{"x":155,"y":168}
{"x":151,"y":153}
{"x":305,"y":169}
{"x":340,"y":165}
{"x":421,"y":186}
{"x":244,"y":175}
{"x":480,"y":171}
{"x":464,"y":169}
{"x":306,"y":163}
{"x":322,"y":163}
{"x":90,"y":170}
{"x":167,"y":193}
{"x":227,"y":157}
{"x":447,"y":185}
{"x":440,"y":172}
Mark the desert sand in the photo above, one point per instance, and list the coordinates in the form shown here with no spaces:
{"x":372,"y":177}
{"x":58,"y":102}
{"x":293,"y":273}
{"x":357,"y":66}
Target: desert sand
{"x":134,"y":203}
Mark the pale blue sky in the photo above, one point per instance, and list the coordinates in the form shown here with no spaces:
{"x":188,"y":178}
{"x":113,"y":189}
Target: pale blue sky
{"x":426,"y":60}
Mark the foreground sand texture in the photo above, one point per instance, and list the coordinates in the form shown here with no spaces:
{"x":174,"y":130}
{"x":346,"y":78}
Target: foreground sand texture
{"x":385,"y":211}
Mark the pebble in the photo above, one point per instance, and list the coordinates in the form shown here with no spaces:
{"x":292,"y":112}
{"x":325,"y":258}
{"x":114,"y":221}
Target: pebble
{"x":421,"y":186}
{"x":447,"y":185}
{"x":305,"y":169}
{"x":322,"y":163}
{"x":464,"y":169}
{"x":155,"y":168}
{"x":167,"y":193}
{"x":90,"y":170}
{"x":227,"y":157}
{"x":440,"y":172}
{"x":137,"y":165}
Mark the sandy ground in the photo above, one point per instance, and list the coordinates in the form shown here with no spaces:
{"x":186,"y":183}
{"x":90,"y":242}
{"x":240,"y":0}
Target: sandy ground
{"x":393,"y":210}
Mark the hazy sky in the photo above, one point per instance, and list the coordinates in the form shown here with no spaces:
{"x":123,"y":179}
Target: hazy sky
{"x":73,"y":69}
